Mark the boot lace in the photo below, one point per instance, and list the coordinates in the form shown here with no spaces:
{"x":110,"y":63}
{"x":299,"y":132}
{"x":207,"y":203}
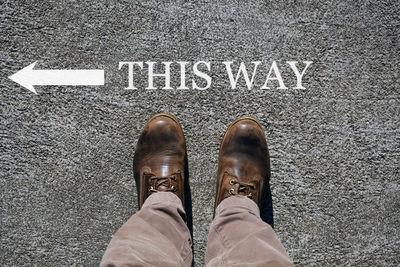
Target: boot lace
{"x":167,"y":182}
{"x":241,"y":188}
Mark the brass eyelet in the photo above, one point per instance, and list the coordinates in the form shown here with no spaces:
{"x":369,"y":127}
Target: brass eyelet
{"x":231,"y":191}
{"x":231,"y":182}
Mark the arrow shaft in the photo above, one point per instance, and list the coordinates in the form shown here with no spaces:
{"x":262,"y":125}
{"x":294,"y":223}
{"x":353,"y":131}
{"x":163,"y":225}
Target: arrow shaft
{"x":67,"y":77}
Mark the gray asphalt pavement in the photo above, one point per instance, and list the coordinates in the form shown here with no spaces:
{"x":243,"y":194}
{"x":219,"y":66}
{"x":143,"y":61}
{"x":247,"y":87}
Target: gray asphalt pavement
{"x":66,"y":153}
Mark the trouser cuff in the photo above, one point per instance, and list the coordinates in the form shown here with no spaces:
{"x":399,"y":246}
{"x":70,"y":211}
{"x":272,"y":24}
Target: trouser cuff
{"x":238,"y":202}
{"x":164,"y":198}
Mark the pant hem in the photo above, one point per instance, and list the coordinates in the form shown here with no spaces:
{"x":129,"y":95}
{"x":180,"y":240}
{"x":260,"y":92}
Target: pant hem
{"x":238,"y":201}
{"x":166,"y":198}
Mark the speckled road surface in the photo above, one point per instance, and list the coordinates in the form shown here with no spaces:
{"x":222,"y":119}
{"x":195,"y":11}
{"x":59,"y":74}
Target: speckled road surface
{"x":66,"y":153}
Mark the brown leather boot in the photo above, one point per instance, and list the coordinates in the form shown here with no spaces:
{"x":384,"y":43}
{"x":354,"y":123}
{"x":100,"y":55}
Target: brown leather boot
{"x":243,"y":164}
{"x":160,"y":158}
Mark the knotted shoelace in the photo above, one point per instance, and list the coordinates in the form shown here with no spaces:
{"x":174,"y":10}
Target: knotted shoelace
{"x":243,"y":188}
{"x":162,"y":181}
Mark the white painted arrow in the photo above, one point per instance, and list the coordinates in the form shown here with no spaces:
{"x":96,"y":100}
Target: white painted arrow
{"x":28,"y":77}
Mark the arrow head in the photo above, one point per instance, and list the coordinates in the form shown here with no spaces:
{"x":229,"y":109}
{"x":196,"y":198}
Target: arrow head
{"x":24,"y":77}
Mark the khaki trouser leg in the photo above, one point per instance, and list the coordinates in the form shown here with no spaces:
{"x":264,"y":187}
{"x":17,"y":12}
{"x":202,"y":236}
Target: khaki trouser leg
{"x":238,"y":237}
{"x":156,"y":235}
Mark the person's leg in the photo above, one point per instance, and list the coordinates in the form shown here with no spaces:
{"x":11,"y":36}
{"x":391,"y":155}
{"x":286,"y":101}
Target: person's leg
{"x":157,"y":235}
{"x":238,"y":236}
